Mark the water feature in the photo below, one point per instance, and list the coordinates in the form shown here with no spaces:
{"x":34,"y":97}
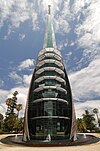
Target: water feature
{"x":16,"y":137}
{"x":82,"y":139}
{"x":84,"y":135}
{"x":48,"y":138}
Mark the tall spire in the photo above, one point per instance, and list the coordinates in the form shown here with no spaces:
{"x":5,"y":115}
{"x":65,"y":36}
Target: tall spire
{"x":49,"y":9}
{"x":49,"y":40}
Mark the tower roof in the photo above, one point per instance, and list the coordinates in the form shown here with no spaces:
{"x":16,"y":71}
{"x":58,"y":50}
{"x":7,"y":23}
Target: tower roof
{"x":49,"y":40}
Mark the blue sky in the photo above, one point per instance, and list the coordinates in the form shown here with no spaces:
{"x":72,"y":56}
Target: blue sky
{"x":77,"y":28}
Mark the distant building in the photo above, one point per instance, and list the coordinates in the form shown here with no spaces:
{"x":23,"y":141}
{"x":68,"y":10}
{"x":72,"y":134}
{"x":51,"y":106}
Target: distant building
{"x":49,"y":108}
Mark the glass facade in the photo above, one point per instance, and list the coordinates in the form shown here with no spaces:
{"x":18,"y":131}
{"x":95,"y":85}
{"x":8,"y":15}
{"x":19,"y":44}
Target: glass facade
{"x":50,"y":100}
{"x":49,"y":109}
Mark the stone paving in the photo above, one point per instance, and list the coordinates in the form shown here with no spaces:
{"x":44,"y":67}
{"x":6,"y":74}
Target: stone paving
{"x":90,"y":147}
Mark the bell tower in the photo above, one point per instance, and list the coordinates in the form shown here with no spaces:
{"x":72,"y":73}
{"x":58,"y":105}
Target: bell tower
{"x":49,"y":108}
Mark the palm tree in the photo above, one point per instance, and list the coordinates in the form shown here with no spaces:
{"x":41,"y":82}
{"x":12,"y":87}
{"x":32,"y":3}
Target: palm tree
{"x":95,"y":111}
{"x":81,"y":125}
{"x":89,"y":119}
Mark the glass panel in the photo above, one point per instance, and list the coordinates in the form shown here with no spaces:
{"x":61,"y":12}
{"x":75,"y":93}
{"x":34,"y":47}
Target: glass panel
{"x":48,"y":108}
{"x":49,"y":94}
{"x":54,"y":127}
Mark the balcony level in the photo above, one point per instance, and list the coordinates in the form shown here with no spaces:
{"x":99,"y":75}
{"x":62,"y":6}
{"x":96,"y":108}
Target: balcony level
{"x":50,"y":55}
{"x":50,"y":99}
{"x":59,"y":79}
{"x":50,"y":117}
{"x":42,"y":87}
{"x":50,"y":62}
{"x":59,"y":71}
{"x":49,"y":50}
{"x":49,"y":93}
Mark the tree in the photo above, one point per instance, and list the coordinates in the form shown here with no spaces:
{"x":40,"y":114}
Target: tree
{"x":1,"y":120}
{"x":81,"y":125}
{"x":11,"y":103}
{"x":89,"y":120}
{"x":11,"y":117}
{"x":20,"y":124}
{"x":96,"y":111}
{"x":9,"y":123}
{"x":99,"y":122}
{"x":1,"y":117}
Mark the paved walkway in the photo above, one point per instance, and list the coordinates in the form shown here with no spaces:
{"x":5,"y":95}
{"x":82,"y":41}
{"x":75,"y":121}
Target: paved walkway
{"x":90,"y":147}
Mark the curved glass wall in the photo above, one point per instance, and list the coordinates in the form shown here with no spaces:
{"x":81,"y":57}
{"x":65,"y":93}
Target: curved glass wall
{"x":53,"y":80}
{"x":50,"y":99}
{"x":49,"y":109}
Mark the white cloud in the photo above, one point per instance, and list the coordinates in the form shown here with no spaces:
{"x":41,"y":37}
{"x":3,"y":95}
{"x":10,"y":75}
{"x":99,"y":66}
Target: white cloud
{"x":62,"y":20}
{"x":13,"y":75}
{"x":27,"y":80}
{"x":86,"y":82}
{"x":21,"y":37}
{"x":3,"y":108}
{"x":3,"y":96}
{"x":26,"y":64}
{"x":1,"y":83}
{"x":22,"y":79}
{"x":62,"y":44}
{"x":5,"y":7}
{"x":79,"y":5}
{"x":11,"y":10}
{"x":80,"y":107}
{"x":88,"y":29}
{"x":72,"y":43}
{"x":18,"y":75}
{"x":17,"y":12}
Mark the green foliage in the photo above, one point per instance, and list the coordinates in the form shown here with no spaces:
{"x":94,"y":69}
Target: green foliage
{"x":1,"y":120}
{"x":99,"y":122}
{"x":11,"y":121}
{"x":81,"y":125}
{"x":89,"y":119}
{"x":1,"y":117}
{"x":20,"y":124}
{"x":11,"y":103}
{"x":1,"y":131}
{"x":95,"y":110}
